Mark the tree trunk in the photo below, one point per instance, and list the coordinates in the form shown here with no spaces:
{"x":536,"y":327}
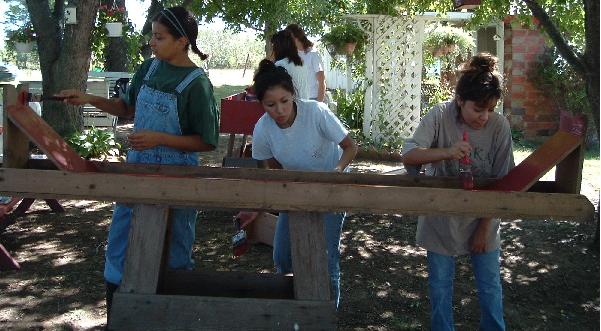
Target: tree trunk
{"x":116,"y":55}
{"x":268,"y":32}
{"x":64,"y":57}
{"x":116,"y":49}
{"x":155,"y":8}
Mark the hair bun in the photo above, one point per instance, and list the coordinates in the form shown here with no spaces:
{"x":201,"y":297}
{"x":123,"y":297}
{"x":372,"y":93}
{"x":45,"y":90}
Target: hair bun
{"x":483,"y":62}
{"x":266,"y":66}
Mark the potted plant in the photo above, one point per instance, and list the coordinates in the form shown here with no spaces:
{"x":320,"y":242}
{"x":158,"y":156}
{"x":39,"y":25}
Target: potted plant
{"x":113,"y":18}
{"x":344,"y":39}
{"x":22,"y":38}
{"x":446,"y":40}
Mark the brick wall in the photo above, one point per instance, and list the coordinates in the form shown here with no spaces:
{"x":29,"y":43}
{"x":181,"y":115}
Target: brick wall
{"x":528,"y":109}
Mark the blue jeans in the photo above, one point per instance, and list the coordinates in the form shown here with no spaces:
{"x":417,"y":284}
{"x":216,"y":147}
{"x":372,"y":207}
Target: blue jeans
{"x":441,"y":271}
{"x":281,"y":247}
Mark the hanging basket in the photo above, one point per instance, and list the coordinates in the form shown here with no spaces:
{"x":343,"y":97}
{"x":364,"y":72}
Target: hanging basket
{"x":22,"y":47}
{"x":349,"y":48}
{"x":115,"y":29}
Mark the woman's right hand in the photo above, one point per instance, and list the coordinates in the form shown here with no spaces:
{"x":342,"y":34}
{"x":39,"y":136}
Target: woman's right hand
{"x":75,"y":97}
{"x":459,"y":150}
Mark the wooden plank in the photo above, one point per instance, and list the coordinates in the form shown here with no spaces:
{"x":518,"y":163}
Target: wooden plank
{"x":144,"y":256}
{"x":286,"y":175}
{"x":133,"y":312}
{"x":568,"y":173}
{"x":50,"y":142}
{"x":226,"y":284}
{"x":268,"y":195}
{"x":16,"y":143}
{"x":309,"y":258}
{"x":272,"y":174}
{"x":537,"y":164}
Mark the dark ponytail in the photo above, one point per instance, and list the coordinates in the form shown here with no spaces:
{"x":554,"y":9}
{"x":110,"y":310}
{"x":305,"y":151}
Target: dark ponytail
{"x":284,"y":47}
{"x":268,"y":76}
{"x":181,"y":23}
{"x":479,"y":80}
{"x":299,"y":34}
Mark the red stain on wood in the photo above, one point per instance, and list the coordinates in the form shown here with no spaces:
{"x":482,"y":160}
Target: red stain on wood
{"x":50,"y":142}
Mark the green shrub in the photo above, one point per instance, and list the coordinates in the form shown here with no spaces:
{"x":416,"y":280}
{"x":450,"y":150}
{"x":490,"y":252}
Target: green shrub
{"x":559,"y":82}
{"x":94,"y":143}
{"x":350,"y":107}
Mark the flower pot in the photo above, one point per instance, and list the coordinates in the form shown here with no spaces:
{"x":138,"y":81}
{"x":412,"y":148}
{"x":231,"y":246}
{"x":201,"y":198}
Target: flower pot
{"x":22,"y":47}
{"x":115,"y":29}
{"x":349,"y":48}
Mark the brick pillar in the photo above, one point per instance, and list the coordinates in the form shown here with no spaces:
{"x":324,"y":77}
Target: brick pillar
{"x":529,"y":110}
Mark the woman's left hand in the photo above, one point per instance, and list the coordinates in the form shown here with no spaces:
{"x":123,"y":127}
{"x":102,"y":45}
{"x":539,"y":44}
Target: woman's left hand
{"x":479,"y":237}
{"x":142,"y":140}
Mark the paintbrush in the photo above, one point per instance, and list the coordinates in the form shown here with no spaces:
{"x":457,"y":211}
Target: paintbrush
{"x":465,"y":169}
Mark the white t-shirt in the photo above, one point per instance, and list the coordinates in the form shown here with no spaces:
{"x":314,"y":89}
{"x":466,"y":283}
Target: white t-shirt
{"x":314,"y":64}
{"x":310,"y":144}
{"x":299,"y":77}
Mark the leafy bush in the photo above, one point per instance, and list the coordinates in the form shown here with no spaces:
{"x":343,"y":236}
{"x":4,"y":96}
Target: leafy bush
{"x":94,"y":143}
{"x":350,"y":107}
{"x":24,"y":34}
{"x":559,"y":82}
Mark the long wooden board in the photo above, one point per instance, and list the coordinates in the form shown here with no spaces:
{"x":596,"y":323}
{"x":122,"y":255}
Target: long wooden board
{"x":268,"y":195}
{"x":133,"y":312}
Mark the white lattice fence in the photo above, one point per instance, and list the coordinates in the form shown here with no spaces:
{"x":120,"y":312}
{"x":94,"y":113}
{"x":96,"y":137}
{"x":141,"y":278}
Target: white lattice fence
{"x":394,"y":65}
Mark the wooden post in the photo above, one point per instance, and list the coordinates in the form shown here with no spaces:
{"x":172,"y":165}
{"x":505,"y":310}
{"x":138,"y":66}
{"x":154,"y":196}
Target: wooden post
{"x":144,"y":257}
{"x":16,"y":143}
{"x":309,"y":260}
{"x":568,"y":173}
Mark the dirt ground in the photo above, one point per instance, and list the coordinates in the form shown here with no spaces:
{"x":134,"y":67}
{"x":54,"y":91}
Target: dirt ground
{"x":550,"y":277}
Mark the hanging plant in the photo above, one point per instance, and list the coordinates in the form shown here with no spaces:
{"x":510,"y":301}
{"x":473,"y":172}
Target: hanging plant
{"x":447,"y":43}
{"x":22,"y":38}
{"x":344,"y":39}
{"x":113,"y":18}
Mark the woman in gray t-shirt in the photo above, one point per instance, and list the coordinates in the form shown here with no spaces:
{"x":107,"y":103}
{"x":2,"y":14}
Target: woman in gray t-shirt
{"x":464,"y":127}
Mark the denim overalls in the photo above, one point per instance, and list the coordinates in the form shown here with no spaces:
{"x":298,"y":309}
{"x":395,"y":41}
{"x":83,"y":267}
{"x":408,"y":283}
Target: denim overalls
{"x":155,"y":111}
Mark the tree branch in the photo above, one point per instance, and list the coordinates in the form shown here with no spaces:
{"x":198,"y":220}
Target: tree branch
{"x":566,"y":51}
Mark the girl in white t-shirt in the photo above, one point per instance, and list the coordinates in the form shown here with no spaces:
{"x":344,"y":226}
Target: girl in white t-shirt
{"x":286,"y":56}
{"x":312,"y":61}
{"x":296,"y":134}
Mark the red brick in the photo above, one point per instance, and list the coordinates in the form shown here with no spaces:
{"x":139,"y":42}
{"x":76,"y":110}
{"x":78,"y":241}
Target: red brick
{"x":519,"y":65}
{"x":519,"y":32}
{"x":519,"y":47}
{"x":549,"y":117}
{"x":517,"y":96}
{"x":540,"y":125}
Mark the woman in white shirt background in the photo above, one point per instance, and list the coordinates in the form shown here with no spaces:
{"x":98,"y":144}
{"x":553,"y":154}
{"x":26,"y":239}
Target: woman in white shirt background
{"x":286,"y":56}
{"x":312,"y":61}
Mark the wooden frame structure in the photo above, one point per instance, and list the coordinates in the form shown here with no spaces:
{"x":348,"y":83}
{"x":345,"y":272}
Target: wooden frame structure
{"x":153,"y":298}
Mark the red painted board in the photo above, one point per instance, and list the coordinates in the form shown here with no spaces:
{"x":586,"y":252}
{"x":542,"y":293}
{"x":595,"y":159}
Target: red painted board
{"x":5,"y":209}
{"x":529,"y":171}
{"x":6,"y":261}
{"x":50,"y":142}
{"x":238,"y":115}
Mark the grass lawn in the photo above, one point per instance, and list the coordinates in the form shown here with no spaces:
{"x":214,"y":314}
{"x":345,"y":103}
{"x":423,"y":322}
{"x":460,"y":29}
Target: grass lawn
{"x":226,"y":90}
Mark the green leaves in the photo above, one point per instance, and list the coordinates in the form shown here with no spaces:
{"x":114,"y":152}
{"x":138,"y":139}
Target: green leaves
{"x":94,"y":143}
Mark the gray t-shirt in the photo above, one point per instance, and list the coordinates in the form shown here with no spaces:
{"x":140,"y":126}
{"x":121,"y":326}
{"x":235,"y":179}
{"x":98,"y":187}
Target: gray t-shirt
{"x":491,"y":157}
{"x":310,"y":144}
